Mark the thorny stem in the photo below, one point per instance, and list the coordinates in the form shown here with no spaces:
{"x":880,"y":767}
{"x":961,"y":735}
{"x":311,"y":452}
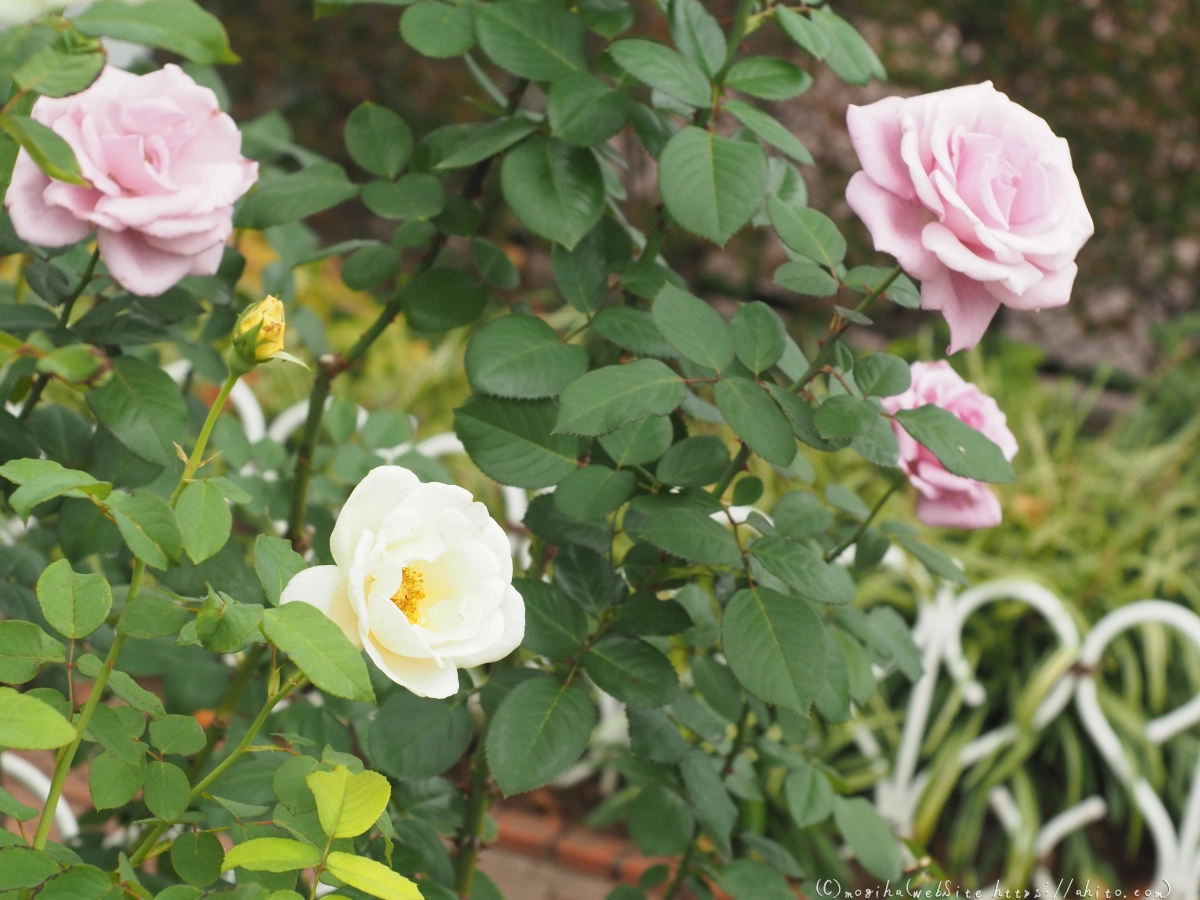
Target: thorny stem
{"x":35,"y":393}
{"x":333,"y":365}
{"x":839,"y":329}
{"x":470,"y":838}
{"x":63,"y":765}
{"x":853,"y":539}
{"x":148,"y":843}
{"x":197,"y":456}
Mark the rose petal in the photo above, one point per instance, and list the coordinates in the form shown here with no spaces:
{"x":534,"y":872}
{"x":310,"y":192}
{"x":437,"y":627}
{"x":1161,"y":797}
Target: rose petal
{"x":382,"y":490}
{"x":967,"y":306}
{"x":138,"y":267}
{"x":424,"y":677}
{"x":33,"y":219}
{"x":513,"y":609}
{"x":895,"y":225}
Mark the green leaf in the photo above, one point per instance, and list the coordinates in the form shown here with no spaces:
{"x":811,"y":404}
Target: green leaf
{"x":878,"y":444}
{"x":556,"y":190}
{"x":844,"y":416}
{"x":74,"y":604}
{"x":850,"y":57}
{"x":583,"y":110}
{"x":511,"y":441}
{"x":276,"y":563}
{"x":378,"y":139}
{"x":693,"y":328}
{"x":180,"y":26}
{"x":166,"y":791}
{"x":289,"y":198}
{"x":748,"y":879}
{"x":66,"y":67}
{"x":768,"y":78}
{"x":932,"y":559}
{"x":24,"y":867}
{"x":807,"y":34}
{"x":204,"y":520}
{"x":581,"y":274}
{"x":439,"y":30}
{"x":632,"y":671}
{"x":758,"y":335}
{"x":79,"y":883}
{"x":271,"y":855}
{"x":14,"y":809}
{"x":555,"y":626}
{"x":151,"y":616}
{"x":143,"y":408}
{"x":369,"y":267}
{"x":224,"y":625}
{"x":693,"y":462}
{"x":882,"y":375}
{"x":768,"y":128}
{"x":177,"y":734}
{"x":775,"y":645}
{"x":588,"y":578}
{"x":901,"y":291}
{"x":592,"y":492}
{"x":495,"y":268}
{"x":959,"y":447}
{"x":693,"y":536}
{"x":539,"y":730}
{"x":52,"y":154}
{"x":135,"y":695}
{"x":521,"y":357}
{"x":606,"y":17}
{"x":320,"y":649}
{"x":415,"y":196}
{"x":654,"y":736}
{"x":492,"y":138}
{"x":660,"y":822}
{"x":605,"y":399}
{"x":197,"y":857}
{"x":697,"y":34}
{"x":804,"y":570}
{"x":756,"y":419}
{"x":442,"y":299}
{"x":712,"y":185}
{"x":847,"y":501}
{"x":639,"y":442}
{"x":109,"y":728}
{"x":800,"y":515}
{"x":868,"y":835}
{"x":633,"y":330}
{"x":663,"y":68}
{"x":41,"y":480}
{"x":801,"y":416}
{"x":24,"y":649}
{"x":808,"y":232}
{"x":114,"y":782}
{"x":416,"y":737}
{"x":347,"y":803}
{"x":540,"y":41}
{"x":709,"y":798}
{"x":149,"y":528}
{"x":809,"y":795}
{"x":372,"y":877}
{"x":805,"y":277}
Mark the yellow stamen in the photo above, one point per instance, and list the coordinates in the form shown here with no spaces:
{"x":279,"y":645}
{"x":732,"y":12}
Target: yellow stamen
{"x":412,"y":591}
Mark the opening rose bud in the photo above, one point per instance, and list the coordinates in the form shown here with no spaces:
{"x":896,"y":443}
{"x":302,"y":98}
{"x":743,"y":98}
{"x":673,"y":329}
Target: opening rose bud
{"x":259,"y":332}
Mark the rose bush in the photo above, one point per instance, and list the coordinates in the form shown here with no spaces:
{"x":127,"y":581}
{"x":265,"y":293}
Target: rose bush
{"x":163,"y":167}
{"x":422,"y":581}
{"x":947,"y":500}
{"x":975,"y":196}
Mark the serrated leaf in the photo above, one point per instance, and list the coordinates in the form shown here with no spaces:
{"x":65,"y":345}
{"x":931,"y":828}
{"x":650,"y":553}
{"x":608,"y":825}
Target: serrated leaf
{"x":378,"y":139}
{"x":959,"y":447}
{"x":768,"y":78}
{"x":419,"y":737}
{"x":868,"y":835}
{"x":143,"y":408}
{"x":205,"y":520}
{"x":844,"y":416}
{"x":605,"y":399}
{"x":584,"y":111}
{"x":166,"y":791}
{"x":372,"y":877}
{"x":663,"y":69}
{"x":882,"y":375}
{"x":275,"y":563}
{"x":769,"y":129}
{"x":632,"y":671}
{"x":290,"y":198}
{"x":804,"y":570}
{"x":756,"y":419}
{"x":348,"y":803}
{"x":555,"y":626}
{"x":511,"y":441}
{"x":539,"y":730}
{"x":712,"y":185}
{"x":804,"y":32}
{"x":24,"y":649}
{"x":693,"y":536}
{"x":693,"y":328}
{"x":775,"y":646}
{"x":319,"y":648}
{"x":697,"y":34}
{"x":494,"y":137}
{"x":541,"y":41}
{"x":556,"y":190}
{"x":759,"y":336}
{"x":74,"y":604}
{"x":521,"y":357}
{"x":808,"y":232}
{"x":149,"y":528}
{"x":850,"y":57}
{"x":594,"y":491}
{"x":442,"y":299}
{"x":805,"y":277}
{"x":271,"y":854}
{"x":639,"y":442}
{"x":439,"y":30}
{"x":180,"y":26}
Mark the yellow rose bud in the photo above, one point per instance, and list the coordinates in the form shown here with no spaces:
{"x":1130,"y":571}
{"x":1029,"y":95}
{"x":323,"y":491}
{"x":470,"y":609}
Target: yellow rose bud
{"x":267,"y":316}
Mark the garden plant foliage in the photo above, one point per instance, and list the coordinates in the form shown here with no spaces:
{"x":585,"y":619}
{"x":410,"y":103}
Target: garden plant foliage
{"x":146,"y":553}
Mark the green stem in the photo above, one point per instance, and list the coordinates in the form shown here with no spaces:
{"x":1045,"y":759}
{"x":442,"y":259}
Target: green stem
{"x":853,"y":539}
{"x":739,"y":739}
{"x":471,"y":835}
{"x":336,"y":365}
{"x":64,"y":317}
{"x":197,"y":456}
{"x":223,"y":714}
{"x":681,"y":872}
{"x":735,"y":465}
{"x":63,"y":766}
{"x":839,"y":329}
{"x":737,"y":31}
{"x":147,"y":844}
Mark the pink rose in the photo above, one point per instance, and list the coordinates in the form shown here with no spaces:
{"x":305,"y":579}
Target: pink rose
{"x":975,"y":196}
{"x":947,"y":500}
{"x":165,"y":166}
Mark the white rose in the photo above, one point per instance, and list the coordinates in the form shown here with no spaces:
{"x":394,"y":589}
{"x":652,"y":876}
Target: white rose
{"x":423,"y":581}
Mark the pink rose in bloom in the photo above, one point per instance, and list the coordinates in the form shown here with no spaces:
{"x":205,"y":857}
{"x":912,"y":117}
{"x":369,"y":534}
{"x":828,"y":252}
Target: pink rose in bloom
{"x":975,"y":196}
{"x":164,"y":167}
{"x":948,"y":500}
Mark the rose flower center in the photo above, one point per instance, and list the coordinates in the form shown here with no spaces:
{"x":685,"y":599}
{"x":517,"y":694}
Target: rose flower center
{"x":410,"y":595}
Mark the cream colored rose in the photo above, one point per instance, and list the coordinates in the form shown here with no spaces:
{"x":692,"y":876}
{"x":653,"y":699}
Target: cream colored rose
{"x":423,"y":581}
